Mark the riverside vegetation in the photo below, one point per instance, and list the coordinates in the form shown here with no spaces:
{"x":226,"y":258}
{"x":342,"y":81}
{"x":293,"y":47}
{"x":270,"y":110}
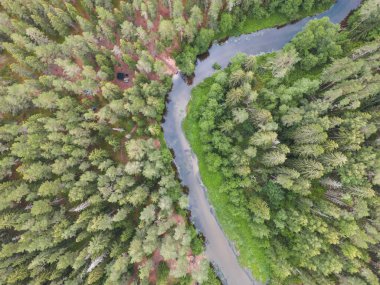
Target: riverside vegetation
{"x":88,"y":194}
{"x":288,"y":147}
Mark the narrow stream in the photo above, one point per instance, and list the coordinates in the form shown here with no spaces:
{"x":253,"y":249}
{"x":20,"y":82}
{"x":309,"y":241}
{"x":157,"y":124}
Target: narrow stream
{"x":219,"y":249}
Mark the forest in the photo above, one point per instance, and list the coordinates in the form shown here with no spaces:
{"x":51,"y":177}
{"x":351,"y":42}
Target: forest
{"x":88,"y":192}
{"x":288,"y":147}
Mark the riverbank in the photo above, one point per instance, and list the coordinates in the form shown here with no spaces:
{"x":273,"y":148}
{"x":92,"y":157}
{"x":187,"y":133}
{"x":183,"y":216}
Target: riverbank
{"x":252,"y":253}
{"x":190,"y":169}
{"x":187,"y":55}
{"x":252,"y":24}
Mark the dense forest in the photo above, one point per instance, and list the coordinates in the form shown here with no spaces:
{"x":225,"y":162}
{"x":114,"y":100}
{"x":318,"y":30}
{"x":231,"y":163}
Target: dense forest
{"x":291,"y":142}
{"x":88,"y":193}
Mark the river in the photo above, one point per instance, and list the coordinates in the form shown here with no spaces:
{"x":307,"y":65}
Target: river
{"x":219,"y":249}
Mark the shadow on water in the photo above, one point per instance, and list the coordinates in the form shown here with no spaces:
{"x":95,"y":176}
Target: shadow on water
{"x":291,"y":23}
{"x":222,"y":41}
{"x":203,"y":56}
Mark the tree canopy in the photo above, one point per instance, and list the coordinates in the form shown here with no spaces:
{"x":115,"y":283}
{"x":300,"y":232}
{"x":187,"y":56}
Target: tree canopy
{"x":294,"y":137}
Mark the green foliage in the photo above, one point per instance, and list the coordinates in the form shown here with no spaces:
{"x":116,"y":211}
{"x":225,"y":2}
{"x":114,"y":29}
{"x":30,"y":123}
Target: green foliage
{"x":216,"y":66}
{"x":185,"y":60}
{"x":162,"y":273}
{"x":197,"y":245}
{"x":248,"y":18}
{"x":234,"y":221}
{"x":166,"y":30}
{"x":203,"y":40}
{"x":212,"y":278}
{"x":226,"y":23}
{"x":317,"y":43}
{"x":365,"y":23}
{"x":297,"y":161}
{"x":87,"y":187}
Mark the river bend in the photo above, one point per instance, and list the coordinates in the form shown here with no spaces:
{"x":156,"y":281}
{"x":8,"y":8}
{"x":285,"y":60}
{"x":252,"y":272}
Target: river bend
{"x":219,"y":249}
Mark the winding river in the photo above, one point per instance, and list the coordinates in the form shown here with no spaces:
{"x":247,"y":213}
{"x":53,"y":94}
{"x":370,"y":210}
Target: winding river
{"x":219,"y":249}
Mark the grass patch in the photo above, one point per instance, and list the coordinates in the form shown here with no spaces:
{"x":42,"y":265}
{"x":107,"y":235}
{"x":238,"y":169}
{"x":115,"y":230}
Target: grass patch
{"x":252,"y":24}
{"x":236,"y":226}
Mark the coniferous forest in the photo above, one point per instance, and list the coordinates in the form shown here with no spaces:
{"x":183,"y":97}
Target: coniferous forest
{"x":88,"y":192}
{"x":293,"y":138}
